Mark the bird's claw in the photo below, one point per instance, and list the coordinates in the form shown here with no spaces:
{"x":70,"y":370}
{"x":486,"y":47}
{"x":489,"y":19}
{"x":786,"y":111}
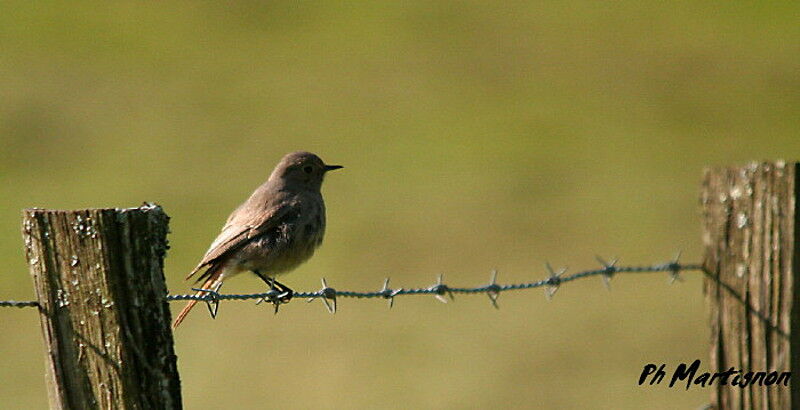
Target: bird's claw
{"x":278,"y":295}
{"x":286,"y":296}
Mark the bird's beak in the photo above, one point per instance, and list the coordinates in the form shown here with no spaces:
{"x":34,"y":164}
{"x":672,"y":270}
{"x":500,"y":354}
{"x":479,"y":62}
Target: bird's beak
{"x":332,"y":167}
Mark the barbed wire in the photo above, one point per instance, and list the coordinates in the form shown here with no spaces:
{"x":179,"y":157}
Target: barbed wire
{"x":18,"y":304}
{"x":439,"y":290}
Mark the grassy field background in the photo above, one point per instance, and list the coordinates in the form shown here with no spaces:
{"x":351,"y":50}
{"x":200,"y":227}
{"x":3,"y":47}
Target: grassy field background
{"x":475,"y":137}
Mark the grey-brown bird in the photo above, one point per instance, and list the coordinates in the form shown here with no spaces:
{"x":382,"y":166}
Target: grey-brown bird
{"x":275,"y":230}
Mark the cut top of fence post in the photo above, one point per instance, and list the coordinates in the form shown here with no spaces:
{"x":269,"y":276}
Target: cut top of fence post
{"x":753,"y":262}
{"x":102,"y":299}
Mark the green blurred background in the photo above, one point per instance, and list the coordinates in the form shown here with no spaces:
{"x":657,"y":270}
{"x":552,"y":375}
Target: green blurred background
{"x":475,"y":137}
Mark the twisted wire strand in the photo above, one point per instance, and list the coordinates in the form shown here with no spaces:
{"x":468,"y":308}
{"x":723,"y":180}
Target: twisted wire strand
{"x":439,"y":289}
{"x":18,"y":304}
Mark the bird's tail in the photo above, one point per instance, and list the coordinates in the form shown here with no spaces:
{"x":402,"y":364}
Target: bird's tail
{"x":212,"y":283}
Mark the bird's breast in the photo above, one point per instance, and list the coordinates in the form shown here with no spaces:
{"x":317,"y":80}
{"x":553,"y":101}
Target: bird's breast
{"x":286,"y":246}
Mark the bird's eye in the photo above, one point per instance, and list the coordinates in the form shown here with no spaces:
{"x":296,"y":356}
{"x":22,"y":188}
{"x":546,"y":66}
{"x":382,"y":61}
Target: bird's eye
{"x":307,"y":169}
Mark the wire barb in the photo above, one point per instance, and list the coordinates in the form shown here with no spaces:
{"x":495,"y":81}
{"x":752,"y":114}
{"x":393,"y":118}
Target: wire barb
{"x":553,"y":281}
{"x":211,"y":298}
{"x":675,"y":269}
{"x":609,"y":269}
{"x":440,"y":289}
{"x":493,"y":290}
{"x":388,"y":293}
{"x":328,"y":296}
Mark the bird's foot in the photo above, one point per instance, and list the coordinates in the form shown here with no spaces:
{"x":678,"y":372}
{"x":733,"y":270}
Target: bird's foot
{"x":280,"y":292}
{"x":278,"y":295}
{"x":286,"y":293}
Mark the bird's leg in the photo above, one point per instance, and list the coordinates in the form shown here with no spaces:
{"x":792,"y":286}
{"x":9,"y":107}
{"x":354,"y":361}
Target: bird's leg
{"x":285,"y":293}
{"x":269,"y":281}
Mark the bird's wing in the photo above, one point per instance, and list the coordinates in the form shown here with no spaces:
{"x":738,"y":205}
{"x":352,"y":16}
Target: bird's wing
{"x":241,"y":227}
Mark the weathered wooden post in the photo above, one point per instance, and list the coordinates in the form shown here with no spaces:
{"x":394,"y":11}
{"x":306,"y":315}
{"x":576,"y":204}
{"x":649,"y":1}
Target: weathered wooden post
{"x":752,"y":261}
{"x":101,"y":293}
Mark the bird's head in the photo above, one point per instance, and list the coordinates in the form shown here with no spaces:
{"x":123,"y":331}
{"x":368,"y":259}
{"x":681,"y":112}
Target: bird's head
{"x":301,"y":169}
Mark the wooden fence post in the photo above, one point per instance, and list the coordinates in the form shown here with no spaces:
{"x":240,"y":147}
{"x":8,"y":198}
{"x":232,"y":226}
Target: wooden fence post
{"x":101,"y":293}
{"x":752,"y":261}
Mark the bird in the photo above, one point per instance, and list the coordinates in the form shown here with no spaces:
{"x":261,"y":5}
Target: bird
{"x":274,"y":231}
